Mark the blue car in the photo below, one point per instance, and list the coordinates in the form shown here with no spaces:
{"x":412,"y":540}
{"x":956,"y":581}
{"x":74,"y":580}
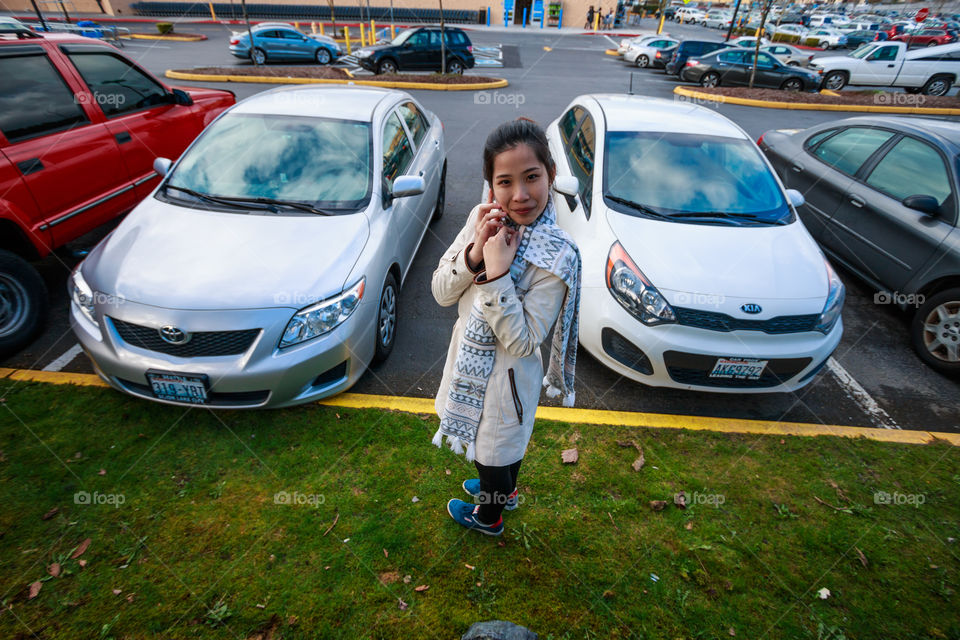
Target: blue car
{"x":276,"y":41}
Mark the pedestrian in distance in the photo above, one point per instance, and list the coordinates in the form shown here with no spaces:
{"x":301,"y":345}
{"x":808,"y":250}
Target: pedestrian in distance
{"x":513,"y":273}
{"x":590,"y":14}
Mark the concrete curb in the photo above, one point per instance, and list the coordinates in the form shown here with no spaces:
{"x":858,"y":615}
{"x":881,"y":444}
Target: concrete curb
{"x":578,"y":416}
{"x":807,"y":106}
{"x":430,"y":86}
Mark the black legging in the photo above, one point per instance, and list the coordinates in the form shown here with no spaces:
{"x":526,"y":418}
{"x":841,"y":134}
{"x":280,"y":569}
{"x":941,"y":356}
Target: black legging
{"x":498,"y":482}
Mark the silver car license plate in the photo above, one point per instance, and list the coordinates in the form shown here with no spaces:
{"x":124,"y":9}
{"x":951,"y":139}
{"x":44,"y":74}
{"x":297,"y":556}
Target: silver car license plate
{"x":178,"y":387}
{"x":738,"y":368}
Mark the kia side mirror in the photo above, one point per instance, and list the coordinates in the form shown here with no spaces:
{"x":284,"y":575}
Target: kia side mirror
{"x":162,"y":166}
{"x":796,"y":198}
{"x":567,"y":185}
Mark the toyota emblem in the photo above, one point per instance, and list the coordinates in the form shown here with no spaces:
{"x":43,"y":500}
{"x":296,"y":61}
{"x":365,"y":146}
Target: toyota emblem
{"x":173,"y":335}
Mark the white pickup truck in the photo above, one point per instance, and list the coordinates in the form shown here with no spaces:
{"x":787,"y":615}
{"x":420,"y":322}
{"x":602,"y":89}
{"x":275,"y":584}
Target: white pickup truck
{"x":931,"y":70}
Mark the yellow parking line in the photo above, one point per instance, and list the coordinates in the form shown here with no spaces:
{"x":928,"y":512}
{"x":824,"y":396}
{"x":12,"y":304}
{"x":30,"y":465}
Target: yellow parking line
{"x":577,"y":416}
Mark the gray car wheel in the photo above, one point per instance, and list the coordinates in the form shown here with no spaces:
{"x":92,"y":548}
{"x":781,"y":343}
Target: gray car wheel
{"x":792,"y":84}
{"x":936,"y":331}
{"x":710,"y":79}
{"x":386,"y":66}
{"x":643,"y":62}
{"x":323,"y":56}
{"x":455,"y":67}
{"x":259,"y":56}
{"x":937,"y":86}
{"x":386,"y":319}
{"x":835,"y":81}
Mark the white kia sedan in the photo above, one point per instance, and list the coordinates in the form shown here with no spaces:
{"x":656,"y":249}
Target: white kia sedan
{"x":697,"y":273}
{"x":265,"y":269}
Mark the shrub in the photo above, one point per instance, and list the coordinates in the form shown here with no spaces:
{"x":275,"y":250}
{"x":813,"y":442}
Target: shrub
{"x":165,"y":27}
{"x":790,"y":38}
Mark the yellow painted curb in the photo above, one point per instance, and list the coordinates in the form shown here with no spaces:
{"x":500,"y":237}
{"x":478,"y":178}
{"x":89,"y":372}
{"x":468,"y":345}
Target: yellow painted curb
{"x":827,"y":92}
{"x":144,"y":36}
{"x":433,"y":86}
{"x":611,"y":52}
{"x":806,"y":106}
{"x":578,"y":416}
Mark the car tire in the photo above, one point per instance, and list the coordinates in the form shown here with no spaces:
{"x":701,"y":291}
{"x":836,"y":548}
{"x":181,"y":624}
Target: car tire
{"x":934,"y":332}
{"x":387,"y":65}
{"x":455,"y":67}
{"x":792,"y":84}
{"x":710,"y":79}
{"x":441,"y":195}
{"x":259,"y":56}
{"x":322,"y":56}
{"x":835,"y":80}
{"x":823,"y":45}
{"x":23,"y":303}
{"x":913,"y":90}
{"x":931,"y":44}
{"x":386,"y":327}
{"x":643,"y":62}
{"x":793,"y":63}
{"x":937,"y":86}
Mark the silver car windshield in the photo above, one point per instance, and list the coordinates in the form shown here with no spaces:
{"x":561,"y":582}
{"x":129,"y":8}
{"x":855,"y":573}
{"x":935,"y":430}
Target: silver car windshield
{"x":687,"y":176}
{"x":322,"y":162}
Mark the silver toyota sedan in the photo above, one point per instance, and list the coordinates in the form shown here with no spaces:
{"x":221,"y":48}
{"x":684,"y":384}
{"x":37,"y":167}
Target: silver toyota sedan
{"x":265,"y":269}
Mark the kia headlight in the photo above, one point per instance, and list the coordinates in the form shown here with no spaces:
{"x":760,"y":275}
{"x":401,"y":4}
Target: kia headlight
{"x":322,"y":317}
{"x":634,"y":291}
{"x":834,"y":305}
{"x":82,"y":295}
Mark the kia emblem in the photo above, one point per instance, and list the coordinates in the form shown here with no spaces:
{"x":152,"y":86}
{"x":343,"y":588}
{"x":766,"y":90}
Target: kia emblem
{"x":751,"y":308}
{"x":173,"y":335}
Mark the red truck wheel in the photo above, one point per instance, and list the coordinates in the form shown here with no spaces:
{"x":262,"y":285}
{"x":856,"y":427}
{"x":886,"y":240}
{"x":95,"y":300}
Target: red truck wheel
{"x":23,"y":302}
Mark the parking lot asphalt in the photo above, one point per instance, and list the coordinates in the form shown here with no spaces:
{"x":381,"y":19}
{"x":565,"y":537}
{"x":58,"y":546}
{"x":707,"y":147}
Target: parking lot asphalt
{"x":874,"y":379}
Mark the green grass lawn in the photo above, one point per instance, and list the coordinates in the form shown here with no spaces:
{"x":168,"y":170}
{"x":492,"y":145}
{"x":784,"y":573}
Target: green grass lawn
{"x":188,"y":541}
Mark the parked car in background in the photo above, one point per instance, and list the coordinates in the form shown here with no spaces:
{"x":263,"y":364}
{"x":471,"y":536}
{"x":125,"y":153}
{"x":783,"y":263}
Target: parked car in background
{"x":8,"y":23}
{"x":80,"y":124}
{"x":857,"y":38}
{"x":689,"y":14}
{"x":788,"y":55}
{"x":925,"y":38}
{"x":881,"y":198}
{"x":644,"y":56}
{"x":697,"y":274}
{"x":662,"y":57}
{"x":251,"y":313}
{"x":717,"y":20}
{"x":825,"y":38}
{"x":748,"y":41}
{"x":627,"y":43}
{"x":278,"y":41}
{"x":419,"y":49}
{"x":688,"y":48}
{"x":733,"y":67}
{"x":931,"y":70}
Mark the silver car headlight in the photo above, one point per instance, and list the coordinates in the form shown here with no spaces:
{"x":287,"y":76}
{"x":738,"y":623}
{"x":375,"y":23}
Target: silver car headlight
{"x":834,"y":305}
{"x":364,"y":53}
{"x":82,"y":295}
{"x":634,"y":291}
{"x":322,"y":317}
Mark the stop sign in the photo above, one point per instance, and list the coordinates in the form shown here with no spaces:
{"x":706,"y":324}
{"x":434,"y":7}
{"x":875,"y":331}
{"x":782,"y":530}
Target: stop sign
{"x":922,"y":14}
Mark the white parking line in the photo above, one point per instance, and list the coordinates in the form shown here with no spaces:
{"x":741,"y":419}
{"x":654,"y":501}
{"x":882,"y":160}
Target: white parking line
{"x":859,"y":395}
{"x":65,"y":359}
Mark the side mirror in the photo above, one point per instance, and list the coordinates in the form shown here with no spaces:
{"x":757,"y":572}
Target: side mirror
{"x":567,"y":185}
{"x":923,"y":204}
{"x":162,"y":166}
{"x":181,"y":97}
{"x":408,"y":186}
{"x":796,"y":198}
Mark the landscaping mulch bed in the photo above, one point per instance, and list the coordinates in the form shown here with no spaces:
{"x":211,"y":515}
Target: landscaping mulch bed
{"x":872,"y":98}
{"x":333,"y":73}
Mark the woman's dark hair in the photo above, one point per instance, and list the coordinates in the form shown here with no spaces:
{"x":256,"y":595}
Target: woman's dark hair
{"x":511,"y":134}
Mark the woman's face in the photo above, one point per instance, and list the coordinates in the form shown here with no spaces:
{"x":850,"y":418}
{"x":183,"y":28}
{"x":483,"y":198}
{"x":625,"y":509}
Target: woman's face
{"x":521,"y":184}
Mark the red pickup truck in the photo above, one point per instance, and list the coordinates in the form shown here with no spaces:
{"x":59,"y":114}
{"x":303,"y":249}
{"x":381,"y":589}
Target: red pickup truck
{"x":80,"y":127}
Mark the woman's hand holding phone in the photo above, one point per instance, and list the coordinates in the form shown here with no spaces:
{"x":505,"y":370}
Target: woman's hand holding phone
{"x":489,"y":222}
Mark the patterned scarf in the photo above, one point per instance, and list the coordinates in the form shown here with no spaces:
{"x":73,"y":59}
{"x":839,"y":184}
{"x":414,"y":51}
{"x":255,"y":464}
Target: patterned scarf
{"x":545,"y":245}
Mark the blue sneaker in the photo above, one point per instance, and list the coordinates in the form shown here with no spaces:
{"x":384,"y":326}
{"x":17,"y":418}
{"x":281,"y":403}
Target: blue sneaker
{"x":465,"y":514}
{"x":472,"y":487}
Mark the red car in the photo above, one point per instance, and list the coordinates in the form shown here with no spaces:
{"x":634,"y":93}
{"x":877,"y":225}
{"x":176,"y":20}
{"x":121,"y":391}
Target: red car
{"x":926,"y":38}
{"x":80,"y":127}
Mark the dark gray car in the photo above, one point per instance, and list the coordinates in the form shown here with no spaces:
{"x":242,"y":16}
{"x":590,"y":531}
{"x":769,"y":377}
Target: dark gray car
{"x":881,"y":198}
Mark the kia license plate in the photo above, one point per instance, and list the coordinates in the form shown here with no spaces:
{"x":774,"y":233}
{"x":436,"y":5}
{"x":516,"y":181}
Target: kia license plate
{"x":738,"y":368}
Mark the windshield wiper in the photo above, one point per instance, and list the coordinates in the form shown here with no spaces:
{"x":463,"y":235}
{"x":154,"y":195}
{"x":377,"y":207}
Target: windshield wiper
{"x":642,"y":208}
{"x":269,"y":204}
{"x":724,"y":215}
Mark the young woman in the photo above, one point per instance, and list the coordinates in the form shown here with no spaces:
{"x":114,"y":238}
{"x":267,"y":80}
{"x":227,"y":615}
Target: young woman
{"x":513,"y":273}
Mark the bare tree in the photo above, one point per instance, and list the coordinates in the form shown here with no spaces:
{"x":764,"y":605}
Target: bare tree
{"x":765,"y":7}
{"x":443,"y":43}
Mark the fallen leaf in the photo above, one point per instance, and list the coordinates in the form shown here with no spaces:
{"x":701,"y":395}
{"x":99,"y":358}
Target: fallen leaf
{"x":54,"y":569}
{"x":82,"y":563}
{"x":639,"y":462}
{"x":421,"y":588}
{"x":448,"y":472}
{"x":569,"y":456}
{"x":782,"y":441}
{"x":688,"y":526}
{"x":731,"y":631}
{"x":292,"y":620}
{"x":607,"y":594}
{"x":863,"y":558}
{"x":34,"y":589}
{"x":271,"y":558}
{"x":260,"y":606}
{"x":823,"y":594}
{"x":389,"y":577}
{"x":386,"y":554}
{"x":680,"y":500}
{"x":102,"y":472}
{"x":130,"y":597}
{"x":415,"y":499}
{"x":326,"y":568}
{"x":407,"y":579}
{"x":50,"y":514}
{"x":117,"y":592}
{"x":658,"y":505}
{"x":403,"y":605}
{"x":77,"y":455}
{"x":501,"y":543}
{"x":79,"y":550}
{"x":625,"y":443}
